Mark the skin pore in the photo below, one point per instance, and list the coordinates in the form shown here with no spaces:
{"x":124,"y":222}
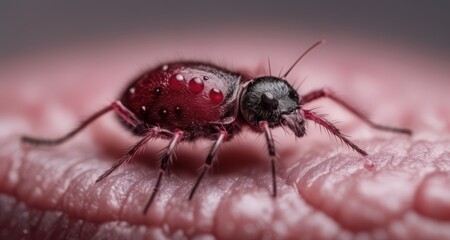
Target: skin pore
{"x":324,"y":190}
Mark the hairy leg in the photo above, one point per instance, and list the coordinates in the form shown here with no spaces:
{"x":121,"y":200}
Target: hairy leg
{"x":332,"y":129}
{"x":165,"y":159}
{"x":212,"y":154}
{"x":150,"y":134}
{"x":117,"y":106}
{"x":272,"y":154}
{"x":325,"y":92}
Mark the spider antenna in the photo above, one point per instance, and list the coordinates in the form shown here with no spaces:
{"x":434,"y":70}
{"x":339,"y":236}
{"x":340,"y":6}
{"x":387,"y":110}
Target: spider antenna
{"x":270,"y":70}
{"x":306,"y":52}
{"x":279,"y":74}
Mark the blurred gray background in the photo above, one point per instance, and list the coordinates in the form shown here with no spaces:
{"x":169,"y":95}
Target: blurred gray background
{"x":37,"y":25}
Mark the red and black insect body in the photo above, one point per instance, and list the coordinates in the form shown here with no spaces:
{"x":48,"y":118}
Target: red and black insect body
{"x":186,"y":101}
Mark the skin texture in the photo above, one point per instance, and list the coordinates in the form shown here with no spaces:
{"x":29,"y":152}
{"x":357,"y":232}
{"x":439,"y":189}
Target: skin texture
{"x":324,"y":190}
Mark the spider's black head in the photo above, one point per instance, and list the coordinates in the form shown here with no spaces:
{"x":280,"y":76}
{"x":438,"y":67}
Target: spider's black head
{"x":273,"y":100}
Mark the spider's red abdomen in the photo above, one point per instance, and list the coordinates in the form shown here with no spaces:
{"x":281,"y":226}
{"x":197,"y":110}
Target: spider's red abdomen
{"x":184,"y":95}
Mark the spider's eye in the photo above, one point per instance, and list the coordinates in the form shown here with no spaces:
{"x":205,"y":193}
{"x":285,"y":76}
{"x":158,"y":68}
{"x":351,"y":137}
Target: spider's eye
{"x":293,"y":95}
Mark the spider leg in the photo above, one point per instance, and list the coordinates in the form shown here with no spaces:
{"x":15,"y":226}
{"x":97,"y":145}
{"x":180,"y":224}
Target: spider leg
{"x":116,"y":106}
{"x":271,"y":148}
{"x":167,"y":155}
{"x":325,"y":92}
{"x":151,"y":133}
{"x":332,"y":129}
{"x":208,"y":162}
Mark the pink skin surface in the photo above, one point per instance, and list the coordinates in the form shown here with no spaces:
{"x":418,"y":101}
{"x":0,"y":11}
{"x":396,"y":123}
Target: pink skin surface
{"x":324,"y":190}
